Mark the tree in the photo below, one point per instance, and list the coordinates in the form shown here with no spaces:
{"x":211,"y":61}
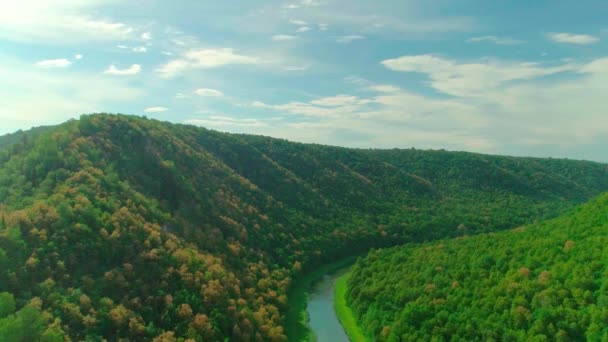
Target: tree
{"x":7,"y":304}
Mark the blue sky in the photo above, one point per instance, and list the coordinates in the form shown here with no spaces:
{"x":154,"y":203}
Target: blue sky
{"x":527,"y":78}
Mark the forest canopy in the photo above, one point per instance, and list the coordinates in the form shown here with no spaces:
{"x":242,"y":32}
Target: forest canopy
{"x":114,"y":226}
{"x":541,"y":282}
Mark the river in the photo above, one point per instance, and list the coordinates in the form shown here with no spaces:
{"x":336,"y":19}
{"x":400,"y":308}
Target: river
{"x":323,"y":320}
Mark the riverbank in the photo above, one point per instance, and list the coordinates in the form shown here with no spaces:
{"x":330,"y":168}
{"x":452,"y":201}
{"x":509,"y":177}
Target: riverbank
{"x":344,"y":313}
{"x":296,"y":323}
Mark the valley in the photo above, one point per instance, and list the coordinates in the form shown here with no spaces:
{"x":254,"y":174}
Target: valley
{"x":114,"y":226}
{"x":303,"y":171}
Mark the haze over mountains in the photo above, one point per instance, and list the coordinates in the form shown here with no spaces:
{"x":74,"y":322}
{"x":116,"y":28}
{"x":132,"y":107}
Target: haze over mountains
{"x":116,"y":226}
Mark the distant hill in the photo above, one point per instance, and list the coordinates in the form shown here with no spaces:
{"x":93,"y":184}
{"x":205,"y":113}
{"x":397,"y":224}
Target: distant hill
{"x":542,"y":282}
{"x":19,"y":136}
{"x":115,"y":226}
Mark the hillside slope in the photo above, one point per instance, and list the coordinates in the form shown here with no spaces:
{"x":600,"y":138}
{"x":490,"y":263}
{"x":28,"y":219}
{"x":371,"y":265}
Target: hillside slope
{"x":546,"y":281}
{"x":116,"y":226}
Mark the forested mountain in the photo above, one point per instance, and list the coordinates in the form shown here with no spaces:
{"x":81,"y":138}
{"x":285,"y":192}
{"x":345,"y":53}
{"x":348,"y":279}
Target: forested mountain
{"x":543,"y":282}
{"x":115,"y":226}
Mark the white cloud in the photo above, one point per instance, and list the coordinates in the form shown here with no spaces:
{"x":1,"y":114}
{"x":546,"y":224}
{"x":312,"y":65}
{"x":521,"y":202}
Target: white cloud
{"x":54,"y":63}
{"x":323,"y":27}
{"x":598,"y":66}
{"x":406,"y":18}
{"x":570,"y":38}
{"x":496,"y":40}
{"x":132,"y":70}
{"x":332,"y":106}
{"x":298,"y":108}
{"x":283,"y":37}
{"x":310,"y":2}
{"x":34,"y":97}
{"x":103,"y":27}
{"x":295,"y":67}
{"x":136,"y":49}
{"x":303,"y":29}
{"x":471,"y":79}
{"x":339,"y":100}
{"x":208,"y":92}
{"x":357,"y":80}
{"x":348,"y":39}
{"x":182,"y":96}
{"x":302,"y":3}
{"x":391,"y":119}
{"x":384,"y":88}
{"x":204,"y":59}
{"x":226,"y":121}
{"x":298,"y":22}
{"x":60,"y":22}
{"x":156,"y":109}
{"x":146,"y":36}
{"x":78,"y":56}
{"x":519,"y":111}
{"x":518,"y":104}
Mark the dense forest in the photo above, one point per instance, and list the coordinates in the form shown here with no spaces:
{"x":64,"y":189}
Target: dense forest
{"x":116,"y":226}
{"x":543,"y":282}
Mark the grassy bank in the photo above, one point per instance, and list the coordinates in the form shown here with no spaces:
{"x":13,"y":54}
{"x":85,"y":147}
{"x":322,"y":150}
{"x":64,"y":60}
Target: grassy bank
{"x":344,"y":313}
{"x":296,"y":324}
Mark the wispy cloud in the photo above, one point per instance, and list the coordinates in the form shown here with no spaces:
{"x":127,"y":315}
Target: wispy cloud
{"x":298,"y":22}
{"x":496,"y":40}
{"x":302,"y":3}
{"x":204,"y":59}
{"x":136,"y":49}
{"x":332,"y":106}
{"x":472,"y":79}
{"x":32,"y":98}
{"x":60,"y":22}
{"x":132,"y":70}
{"x":283,"y":37}
{"x":182,"y":96}
{"x":156,"y":109}
{"x":384,"y":18}
{"x":303,"y":29}
{"x":384,"y":88}
{"x":570,"y":38}
{"x":295,"y":67}
{"x":227,"y":121}
{"x":208,"y":92}
{"x":348,"y":39}
{"x":530,"y":109}
{"x":54,"y":63}
{"x":339,"y":100}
